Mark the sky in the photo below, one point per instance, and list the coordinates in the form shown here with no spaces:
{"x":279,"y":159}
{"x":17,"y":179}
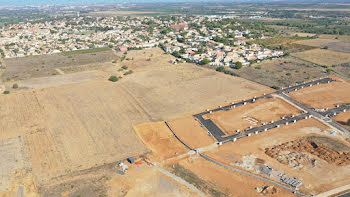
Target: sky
{"x":39,"y":2}
{"x":43,"y":2}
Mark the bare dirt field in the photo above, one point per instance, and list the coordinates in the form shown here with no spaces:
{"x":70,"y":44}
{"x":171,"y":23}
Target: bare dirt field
{"x":147,"y":181}
{"x":45,"y":65}
{"x":316,"y":173}
{"x":263,"y":110}
{"x":275,"y":72}
{"x":157,"y":137}
{"x":190,"y":131}
{"x":324,"y":95}
{"x":343,"y":119}
{"x":323,"y":57}
{"x":225,"y":181}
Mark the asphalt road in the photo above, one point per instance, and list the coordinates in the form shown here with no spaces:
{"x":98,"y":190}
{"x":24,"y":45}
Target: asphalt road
{"x":219,"y":135}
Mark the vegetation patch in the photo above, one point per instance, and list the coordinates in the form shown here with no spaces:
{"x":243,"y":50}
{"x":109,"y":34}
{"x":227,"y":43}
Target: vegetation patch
{"x":85,"y":51}
{"x":193,"y":179}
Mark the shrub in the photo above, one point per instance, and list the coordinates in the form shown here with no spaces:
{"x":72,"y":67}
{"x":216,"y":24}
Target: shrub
{"x":325,"y":47}
{"x":328,"y":70}
{"x":15,"y":86}
{"x":6,"y":92}
{"x":124,"y":67}
{"x":113,"y":78}
{"x":348,"y":123}
{"x":129,"y":72}
{"x":275,"y":87}
{"x":288,"y":74}
{"x":220,"y":69}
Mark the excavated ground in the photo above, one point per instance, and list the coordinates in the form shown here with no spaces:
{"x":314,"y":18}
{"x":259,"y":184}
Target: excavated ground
{"x":293,"y":152}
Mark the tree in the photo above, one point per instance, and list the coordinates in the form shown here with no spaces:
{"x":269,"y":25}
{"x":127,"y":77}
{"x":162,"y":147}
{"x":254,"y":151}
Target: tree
{"x":348,"y":123}
{"x":113,"y":78}
{"x":6,"y":92}
{"x":325,"y":47}
{"x":205,"y":61}
{"x":238,"y":65}
{"x":15,"y":86}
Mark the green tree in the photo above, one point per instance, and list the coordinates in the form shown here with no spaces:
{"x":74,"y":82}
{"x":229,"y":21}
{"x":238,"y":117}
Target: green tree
{"x":238,"y":65}
{"x":205,"y":61}
{"x":6,"y":92}
{"x":113,"y":78}
{"x":15,"y":86}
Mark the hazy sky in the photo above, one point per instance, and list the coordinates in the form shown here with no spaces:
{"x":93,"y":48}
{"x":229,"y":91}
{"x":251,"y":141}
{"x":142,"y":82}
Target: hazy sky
{"x":38,"y":2}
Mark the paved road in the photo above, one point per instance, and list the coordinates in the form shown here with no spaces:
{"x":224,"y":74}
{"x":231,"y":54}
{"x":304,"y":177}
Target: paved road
{"x":320,"y":115}
{"x":219,"y":135}
{"x":344,"y":195}
{"x":234,"y":169}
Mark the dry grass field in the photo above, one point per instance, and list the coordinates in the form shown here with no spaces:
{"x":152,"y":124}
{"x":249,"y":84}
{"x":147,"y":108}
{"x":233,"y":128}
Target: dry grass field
{"x":81,"y":121}
{"x":275,"y":72}
{"x":324,"y":95}
{"x":248,"y":153}
{"x":45,"y":65}
{"x":323,"y":57}
{"x":264,"y":110}
{"x":332,"y":44}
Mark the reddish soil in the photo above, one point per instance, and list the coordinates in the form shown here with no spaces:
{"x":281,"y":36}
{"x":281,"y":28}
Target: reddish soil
{"x":324,"y":95}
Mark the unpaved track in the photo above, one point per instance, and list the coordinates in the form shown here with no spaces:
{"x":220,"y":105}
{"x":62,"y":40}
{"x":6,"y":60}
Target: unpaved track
{"x":180,"y":180}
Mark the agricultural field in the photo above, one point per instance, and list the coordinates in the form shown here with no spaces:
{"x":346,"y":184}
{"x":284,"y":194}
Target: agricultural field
{"x":45,"y":65}
{"x":323,"y":57}
{"x":287,"y":43}
{"x":324,"y":95}
{"x":332,"y":44}
{"x":74,"y":126}
{"x":281,"y":72}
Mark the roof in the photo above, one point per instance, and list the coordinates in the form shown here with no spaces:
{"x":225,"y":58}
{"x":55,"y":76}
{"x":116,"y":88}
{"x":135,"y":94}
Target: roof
{"x":178,"y":25}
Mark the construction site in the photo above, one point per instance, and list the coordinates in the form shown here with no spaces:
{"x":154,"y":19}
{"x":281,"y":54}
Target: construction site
{"x":173,"y":130}
{"x":281,"y":138}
